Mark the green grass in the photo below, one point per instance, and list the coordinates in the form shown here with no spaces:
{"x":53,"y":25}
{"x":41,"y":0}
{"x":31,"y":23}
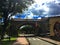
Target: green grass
{"x":7,"y":42}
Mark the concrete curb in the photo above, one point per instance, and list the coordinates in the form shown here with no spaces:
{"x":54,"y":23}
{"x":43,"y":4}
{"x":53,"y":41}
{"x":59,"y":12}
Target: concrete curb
{"x":50,"y":41}
{"x":28,"y":40}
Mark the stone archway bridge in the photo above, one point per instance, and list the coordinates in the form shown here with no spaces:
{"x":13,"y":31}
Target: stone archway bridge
{"x":17,"y":23}
{"x":20,"y":22}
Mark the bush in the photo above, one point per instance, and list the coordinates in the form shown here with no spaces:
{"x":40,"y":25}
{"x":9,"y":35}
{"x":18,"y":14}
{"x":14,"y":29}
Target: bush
{"x":12,"y":31}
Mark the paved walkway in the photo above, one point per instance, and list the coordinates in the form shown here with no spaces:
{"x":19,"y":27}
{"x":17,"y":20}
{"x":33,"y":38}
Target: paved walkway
{"x":37,"y":41}
{"x":50,"y":40}
{"x":21,"y":41}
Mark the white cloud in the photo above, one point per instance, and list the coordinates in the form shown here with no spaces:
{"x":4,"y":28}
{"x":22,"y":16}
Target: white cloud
{"x":30,"y":16}
{"x":12,"y":17}
{"x":43,"y":8}
{"x":39,"y":18}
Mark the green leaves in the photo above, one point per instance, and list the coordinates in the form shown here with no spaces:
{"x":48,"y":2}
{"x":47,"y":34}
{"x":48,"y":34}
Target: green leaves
{"x":14,"y":5}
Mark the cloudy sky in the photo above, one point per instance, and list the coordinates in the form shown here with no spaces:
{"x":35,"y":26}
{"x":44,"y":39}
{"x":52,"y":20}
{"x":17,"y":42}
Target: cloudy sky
{"x":41,"y":8}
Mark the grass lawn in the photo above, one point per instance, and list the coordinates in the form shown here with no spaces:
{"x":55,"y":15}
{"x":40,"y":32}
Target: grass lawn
{"x":7,"y":42}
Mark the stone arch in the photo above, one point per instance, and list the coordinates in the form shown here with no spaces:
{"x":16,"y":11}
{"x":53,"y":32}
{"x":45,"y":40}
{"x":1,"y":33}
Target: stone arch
{"x":37,"y":29}
{"x":57,"y":29}
{"x":29,"y":29}
{"x":52,"y":21}
{"x":17,"y":24}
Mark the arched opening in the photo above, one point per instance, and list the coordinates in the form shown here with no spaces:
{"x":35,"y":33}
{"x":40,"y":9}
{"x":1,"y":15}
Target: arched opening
{"x":26,"y":29}
{"x":57,"y":29}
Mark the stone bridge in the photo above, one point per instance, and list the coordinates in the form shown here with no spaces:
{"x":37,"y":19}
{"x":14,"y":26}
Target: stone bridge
{"x":20,"y":22}
{"x":17,"y":23}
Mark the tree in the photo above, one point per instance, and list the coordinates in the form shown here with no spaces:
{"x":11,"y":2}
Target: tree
{"x":11,"y":6}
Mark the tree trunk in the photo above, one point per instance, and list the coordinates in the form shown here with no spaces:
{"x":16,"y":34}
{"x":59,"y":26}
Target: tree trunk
{"x":5,"y":24}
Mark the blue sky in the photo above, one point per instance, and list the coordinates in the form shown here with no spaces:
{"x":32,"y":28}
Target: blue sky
{"x":1,"y":20}
{"x":41,"y":8}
